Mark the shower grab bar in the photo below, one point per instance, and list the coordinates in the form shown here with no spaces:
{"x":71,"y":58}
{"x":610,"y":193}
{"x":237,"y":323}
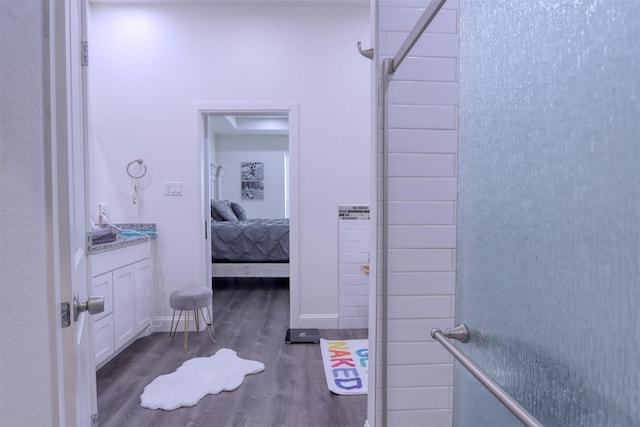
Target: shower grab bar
{"x":461,"y":333}
{"x":425,"y":19}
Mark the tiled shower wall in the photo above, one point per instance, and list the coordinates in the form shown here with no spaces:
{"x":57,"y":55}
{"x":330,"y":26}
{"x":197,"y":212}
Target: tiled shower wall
{"x":422,"y":183}
{"x":353,"y":253}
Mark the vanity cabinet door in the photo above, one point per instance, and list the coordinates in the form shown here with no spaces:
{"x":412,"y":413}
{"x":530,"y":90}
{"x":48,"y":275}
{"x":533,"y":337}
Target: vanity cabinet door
{"x":103,"y":322}
{"x":103,"y":338}
{"x":124,"y":315}
{"x":143,"y":283}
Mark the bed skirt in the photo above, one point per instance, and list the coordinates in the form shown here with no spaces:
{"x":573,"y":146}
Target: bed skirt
{"x":239,"y":269}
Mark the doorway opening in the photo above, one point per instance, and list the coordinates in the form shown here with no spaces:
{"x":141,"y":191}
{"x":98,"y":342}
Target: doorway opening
{"x":249,"y":163}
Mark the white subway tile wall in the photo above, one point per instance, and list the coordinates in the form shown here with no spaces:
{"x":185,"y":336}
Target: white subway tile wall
{"x":422,"y":189}
{"x":353,"y":254}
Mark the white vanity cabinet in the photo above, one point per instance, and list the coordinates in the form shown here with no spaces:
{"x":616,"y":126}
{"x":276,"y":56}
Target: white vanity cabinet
{"x":124,"y":277}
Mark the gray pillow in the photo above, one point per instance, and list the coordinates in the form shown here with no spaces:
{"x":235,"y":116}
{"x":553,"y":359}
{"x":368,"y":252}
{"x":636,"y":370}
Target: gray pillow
{"x":241,"y":214}
{"x":214,"y":215}
{"x":223,"y":209}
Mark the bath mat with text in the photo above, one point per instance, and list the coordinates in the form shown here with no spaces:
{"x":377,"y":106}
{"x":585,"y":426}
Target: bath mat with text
{"x":346,"y":365}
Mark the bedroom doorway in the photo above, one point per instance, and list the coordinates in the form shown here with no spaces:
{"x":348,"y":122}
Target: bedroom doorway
{"x":250,"y":157}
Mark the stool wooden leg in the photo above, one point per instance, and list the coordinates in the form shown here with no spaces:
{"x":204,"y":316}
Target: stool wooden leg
{"x":172,"y":332}
{"x":186,"y":329}
{"x":209,"y":326}
{"x":195,"y":314}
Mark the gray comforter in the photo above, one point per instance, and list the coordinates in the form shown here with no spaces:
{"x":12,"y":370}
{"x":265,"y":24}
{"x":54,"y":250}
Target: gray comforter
{"x":252,"y":240}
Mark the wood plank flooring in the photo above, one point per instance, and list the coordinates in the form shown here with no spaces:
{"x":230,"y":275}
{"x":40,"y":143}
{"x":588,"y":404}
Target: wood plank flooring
{"x":251,"y":316}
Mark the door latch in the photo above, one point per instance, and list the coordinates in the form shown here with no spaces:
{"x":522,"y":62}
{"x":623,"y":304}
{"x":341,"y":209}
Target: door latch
{"x":65,"y":314}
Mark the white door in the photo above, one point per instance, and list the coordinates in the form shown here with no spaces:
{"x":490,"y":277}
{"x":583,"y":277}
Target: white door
{"x":86,"y":396}
{"x":69,"y":195}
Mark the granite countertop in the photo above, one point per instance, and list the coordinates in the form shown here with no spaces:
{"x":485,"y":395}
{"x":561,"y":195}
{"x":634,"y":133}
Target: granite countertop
{"x":126,"y":236}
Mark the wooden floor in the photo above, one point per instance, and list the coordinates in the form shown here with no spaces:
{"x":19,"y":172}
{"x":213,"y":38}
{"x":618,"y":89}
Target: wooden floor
{"x":251,"y":317}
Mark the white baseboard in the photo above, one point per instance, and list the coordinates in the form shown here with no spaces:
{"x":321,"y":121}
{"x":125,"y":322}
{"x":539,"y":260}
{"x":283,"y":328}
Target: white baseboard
{"x":319,"y":321}
{"x":163,"y":324}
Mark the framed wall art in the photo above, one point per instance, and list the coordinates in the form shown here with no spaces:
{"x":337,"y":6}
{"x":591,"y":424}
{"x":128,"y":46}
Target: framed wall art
{"x":252,"y":180}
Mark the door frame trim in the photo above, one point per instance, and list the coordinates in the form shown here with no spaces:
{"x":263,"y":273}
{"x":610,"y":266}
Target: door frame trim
{"x":202,"y":110}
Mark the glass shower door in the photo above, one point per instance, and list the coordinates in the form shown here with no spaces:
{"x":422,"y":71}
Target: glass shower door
{"x":549,"y":210}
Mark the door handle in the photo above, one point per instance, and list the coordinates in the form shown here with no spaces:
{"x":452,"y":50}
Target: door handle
{"x":94,"y":305}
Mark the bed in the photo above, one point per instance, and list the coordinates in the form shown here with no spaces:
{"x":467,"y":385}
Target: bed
{"x":247,"y":247}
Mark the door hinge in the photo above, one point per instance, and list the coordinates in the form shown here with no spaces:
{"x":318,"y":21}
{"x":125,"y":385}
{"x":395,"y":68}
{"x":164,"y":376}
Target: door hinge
{"x":85,"y":53}
{"x":94,"y":420}
{"x":65,"y":314}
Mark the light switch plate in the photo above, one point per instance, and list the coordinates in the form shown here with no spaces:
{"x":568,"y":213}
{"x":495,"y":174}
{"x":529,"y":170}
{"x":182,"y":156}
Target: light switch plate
{"x":173,"y":188}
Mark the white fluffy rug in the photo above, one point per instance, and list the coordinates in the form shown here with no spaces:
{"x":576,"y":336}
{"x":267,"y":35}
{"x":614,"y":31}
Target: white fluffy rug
{"x":198,"y":377}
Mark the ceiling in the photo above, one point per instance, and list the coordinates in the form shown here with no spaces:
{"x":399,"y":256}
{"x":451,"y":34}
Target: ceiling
{"x":272,"y":124}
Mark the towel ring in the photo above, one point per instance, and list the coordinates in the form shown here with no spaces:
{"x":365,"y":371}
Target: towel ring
{"x":144,"y":171}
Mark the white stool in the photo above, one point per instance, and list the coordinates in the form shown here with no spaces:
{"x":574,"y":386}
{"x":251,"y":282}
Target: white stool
{"x":191,"y":299}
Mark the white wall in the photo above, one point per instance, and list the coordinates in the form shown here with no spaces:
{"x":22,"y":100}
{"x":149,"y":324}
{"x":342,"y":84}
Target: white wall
{"x":232,"y":150}
{"x":423,"y":140}
{"x":150,"y":63}
{"x":27,"y":336}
